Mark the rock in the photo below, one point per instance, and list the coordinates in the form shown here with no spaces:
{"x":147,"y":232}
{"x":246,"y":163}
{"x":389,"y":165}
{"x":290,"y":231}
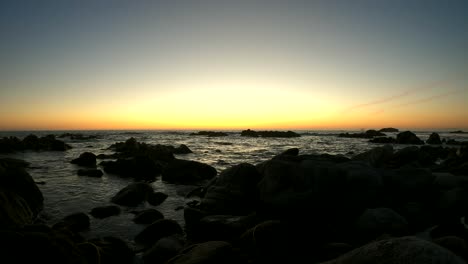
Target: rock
{"x":133,"y":195}
{"x":209,"y":134}
{"x":408,"y":137}
{"x":187,"y":172}
{"x":455,"y":244}
{"x":389,"y":129}
{"x":268,"y":242}
{"x":376,"y":157}
{"x":107,"y":250}
{"x":399,"y":250}
{"x":90,"y":172}
{"x":221,"y":227}
{"x":368,"y":134}
{"x":157,"y":198}
{"x":434,"y":139}
{"x":205,"y":253}
{"x":148,"y":216}
{"x":22,"y":199}
{"x":378,"y":221}
{"x":383,"y":140}
{"x":235,"y":191}
{"x":182,"y":149}
{"x":105,"y":211}
{"x":139,"y":167}
{"x":77,"y":222}
{"x":165,"y":249}
{"x":280,"y":134}
{"x":132,"y":148}
{"x":157,"y":230}
{"x":86,"y":159}
{"x":409,"y":184}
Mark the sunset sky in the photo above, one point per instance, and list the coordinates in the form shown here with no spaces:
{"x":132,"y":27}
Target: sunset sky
{"x":233,"y":64}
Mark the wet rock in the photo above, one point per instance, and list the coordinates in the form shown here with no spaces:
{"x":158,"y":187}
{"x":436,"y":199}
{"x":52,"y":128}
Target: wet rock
{"x":105,"y":211}
{"x":86,"y":159}
{"x":222,"y":227}
{"x":182,"y":149}
{"x":187,"y":172}
{"x":408,"y":137}
{"x":205,"y":253}
{"x":107,"y":250}
{"x":139,"y":168}
{"x":22,"y":199}
{"x":148,"y":216}
{"x":376,"y":157}
{"x":157,"y":230}
{"x":90,"y":173}
{"x":378,"y":221}
{"x":399,"y":250}
{"x":165,"y":249}
{"x":133,"y":195}
{"x":235,"y":191}
{"x":383,"y":140}
{"x":157,"y":198}
{"x":434,"y":139}
{"x":75,"y":222}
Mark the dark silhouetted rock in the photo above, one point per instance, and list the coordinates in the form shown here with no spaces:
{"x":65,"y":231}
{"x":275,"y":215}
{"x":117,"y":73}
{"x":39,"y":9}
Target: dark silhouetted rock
{"x":77,"y":222}
{"x":235,"y":191}
{"x":105,"y":211}
{"x":157,"y":230}
{"x":21,"y":198}
{"x":221,"y":227}
{"x":368,"y":134}
{"x":458,"y":132}
{"x":378,"y":221}
{"x":133,"y":195}
{"x":139,"y":168}
{"x":376,"y":157}
{"x":157,"y":198}
{"x":210,"y":134}
{"x":86,"y":159}
{"x":187,"y":172}
{"x":90,"y":172}
{"x":205,"y":253}
{"x":455,"y":244}
{"x":280,"y":134}
{"x":434,"y":139}
{"x":389,"y":130}
{"x":383,"y":140}
{"x":399,"y":250}
{"x":32,"y":142}
{"x":408,"y":137}
{"x":148,"y":216}
{"x":165,"y":249}
{"x":107,"y":250}
{"x":182,"y":149}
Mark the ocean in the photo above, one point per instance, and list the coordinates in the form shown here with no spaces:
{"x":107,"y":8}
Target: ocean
{"x":65,"y":192}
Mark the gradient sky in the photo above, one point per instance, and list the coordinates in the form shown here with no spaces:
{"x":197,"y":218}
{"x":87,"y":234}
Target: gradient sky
{"x":233,"y":64}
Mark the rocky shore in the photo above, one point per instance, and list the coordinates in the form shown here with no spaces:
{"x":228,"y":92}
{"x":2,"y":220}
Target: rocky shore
{"x":380,"y":206}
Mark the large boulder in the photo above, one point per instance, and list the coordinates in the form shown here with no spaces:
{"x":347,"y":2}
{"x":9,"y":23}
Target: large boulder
{"x":399,"y":250}
{"x":133,"y":195}
{"x":235,"y":191}
{"x":148,"y":216}
{"x":378,"y":221}
{"x":408,"y":137}
{"x":187,"y":172}
{"x":165,"y":249}
{"x":157,"y":230}
{"x":21,"y":200}
{"x":206,"y":253}
{"x":86,"y":159}
{"x":376,"y":157}
{"x":434,"y":139}
{"x":139,"y":167}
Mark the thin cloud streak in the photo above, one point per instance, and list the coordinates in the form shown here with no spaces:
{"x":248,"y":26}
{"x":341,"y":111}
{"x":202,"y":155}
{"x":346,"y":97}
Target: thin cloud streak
{"x":428,"y":99}
{"x":400,"y":95}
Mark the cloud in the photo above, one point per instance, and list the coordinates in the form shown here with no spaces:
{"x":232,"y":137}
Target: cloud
{"x":428,"y":99}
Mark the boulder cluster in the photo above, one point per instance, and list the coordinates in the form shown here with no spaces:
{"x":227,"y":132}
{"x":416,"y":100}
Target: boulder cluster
{"x":32,"y":142}
{"x":380,"y":206}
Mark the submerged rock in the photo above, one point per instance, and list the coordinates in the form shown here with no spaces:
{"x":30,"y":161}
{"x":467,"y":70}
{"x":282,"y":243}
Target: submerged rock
{"x":105,"y":211}
{"x":86,"y":159}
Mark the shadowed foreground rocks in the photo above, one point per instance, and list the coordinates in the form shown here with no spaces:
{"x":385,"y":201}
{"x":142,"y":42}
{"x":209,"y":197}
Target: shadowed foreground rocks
{"x":380,"y":206}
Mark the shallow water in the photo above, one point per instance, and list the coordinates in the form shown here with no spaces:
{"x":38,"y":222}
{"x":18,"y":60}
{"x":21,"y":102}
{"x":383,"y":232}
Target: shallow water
{"x":66,"y":193}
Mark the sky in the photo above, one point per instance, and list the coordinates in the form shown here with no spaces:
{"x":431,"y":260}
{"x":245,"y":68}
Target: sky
{"x":233,"y":64}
